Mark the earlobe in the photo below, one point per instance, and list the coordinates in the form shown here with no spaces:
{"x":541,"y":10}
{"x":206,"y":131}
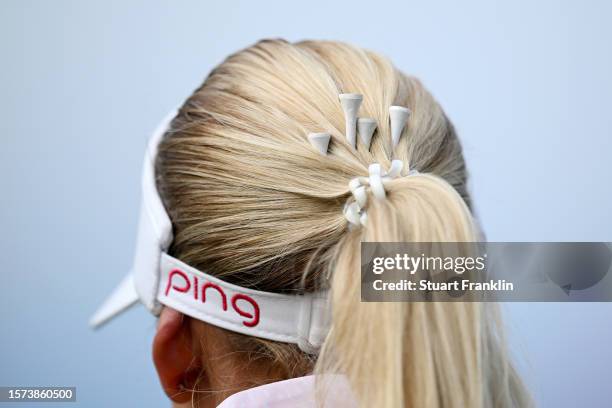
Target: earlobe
{"x":173,"y":356}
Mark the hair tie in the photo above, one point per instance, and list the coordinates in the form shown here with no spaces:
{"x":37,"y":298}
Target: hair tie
{"x":355,"y":211}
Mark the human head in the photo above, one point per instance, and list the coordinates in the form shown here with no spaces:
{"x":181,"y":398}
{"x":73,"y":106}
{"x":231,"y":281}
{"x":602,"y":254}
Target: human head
{"x":252,"y":203}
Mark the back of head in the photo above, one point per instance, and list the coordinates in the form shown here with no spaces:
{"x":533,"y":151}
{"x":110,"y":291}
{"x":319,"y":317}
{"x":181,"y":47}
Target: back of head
{"x":254,"y":204}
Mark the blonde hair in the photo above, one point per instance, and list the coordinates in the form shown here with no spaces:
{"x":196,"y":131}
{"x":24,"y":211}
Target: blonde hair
{"x":253,"y":203}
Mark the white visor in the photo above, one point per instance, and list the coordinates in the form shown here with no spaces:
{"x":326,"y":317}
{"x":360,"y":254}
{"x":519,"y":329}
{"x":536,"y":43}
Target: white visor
{"x":158,"y":279}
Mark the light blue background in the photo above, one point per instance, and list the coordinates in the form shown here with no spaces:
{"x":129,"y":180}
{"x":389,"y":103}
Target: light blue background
{"x":527,"y":84}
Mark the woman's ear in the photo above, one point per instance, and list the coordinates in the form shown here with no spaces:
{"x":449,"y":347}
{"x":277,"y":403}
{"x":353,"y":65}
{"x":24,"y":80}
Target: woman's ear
{"x":176,"y":365}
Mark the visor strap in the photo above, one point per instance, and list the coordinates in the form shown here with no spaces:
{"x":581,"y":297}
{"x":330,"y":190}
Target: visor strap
{"x":267,"y":315}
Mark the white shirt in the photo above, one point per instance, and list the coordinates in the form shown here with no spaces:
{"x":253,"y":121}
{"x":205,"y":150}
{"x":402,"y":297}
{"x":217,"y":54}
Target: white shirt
{"x":296,"y":392}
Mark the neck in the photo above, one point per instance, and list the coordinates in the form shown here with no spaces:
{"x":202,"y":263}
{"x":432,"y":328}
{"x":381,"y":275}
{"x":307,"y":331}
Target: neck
{"x":225,"y":371}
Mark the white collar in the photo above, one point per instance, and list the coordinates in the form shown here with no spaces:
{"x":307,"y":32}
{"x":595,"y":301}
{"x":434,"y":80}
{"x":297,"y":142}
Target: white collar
{"x":295,"y":392}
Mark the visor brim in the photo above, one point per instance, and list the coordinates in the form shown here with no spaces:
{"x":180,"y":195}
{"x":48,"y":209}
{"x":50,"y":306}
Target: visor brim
{"x":122,"y":298}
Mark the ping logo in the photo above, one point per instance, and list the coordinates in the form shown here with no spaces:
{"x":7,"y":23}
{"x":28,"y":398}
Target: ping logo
{"x":242,"y":304}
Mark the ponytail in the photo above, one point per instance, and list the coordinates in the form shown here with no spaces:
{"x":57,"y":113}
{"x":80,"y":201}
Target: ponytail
{"x":414,"y":354}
